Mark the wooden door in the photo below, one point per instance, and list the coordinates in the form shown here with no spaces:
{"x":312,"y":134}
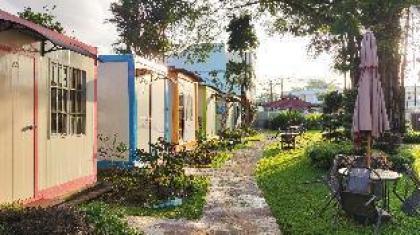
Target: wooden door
{"x":17,"y":127}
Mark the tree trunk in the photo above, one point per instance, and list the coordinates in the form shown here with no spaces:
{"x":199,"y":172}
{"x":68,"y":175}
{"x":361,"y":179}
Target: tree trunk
{"x":389,"y":41}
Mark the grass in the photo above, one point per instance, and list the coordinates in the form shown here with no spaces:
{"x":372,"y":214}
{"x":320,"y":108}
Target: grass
{"x":191,"y":208}
{"x":416,"y":153}
{"x":223,"y":156}
{"x":220,"y":159}
{"x":293,"y":190}
{"x":107,"y":220}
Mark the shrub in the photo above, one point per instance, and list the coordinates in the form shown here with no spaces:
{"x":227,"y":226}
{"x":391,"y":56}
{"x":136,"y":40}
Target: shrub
{"x":201,"y":156}
{"x":106,"y":220}
{"x":389,"y":143}
{"x":404,"y":156}
{"x":247,"y":132}
{"x":231,"y":134}
{"x":288,"y":118}
{"x":412,"y":137}
{"x":313,"y":121}
{"x":162,"y":177}
{"x":322,"y":154}
{"x":52,"y":220}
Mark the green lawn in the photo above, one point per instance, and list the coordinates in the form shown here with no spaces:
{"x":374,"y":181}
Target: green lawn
{"x":295,"y":192}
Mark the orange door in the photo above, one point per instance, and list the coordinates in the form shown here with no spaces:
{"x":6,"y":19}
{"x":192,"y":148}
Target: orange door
{"x":17,"y":127}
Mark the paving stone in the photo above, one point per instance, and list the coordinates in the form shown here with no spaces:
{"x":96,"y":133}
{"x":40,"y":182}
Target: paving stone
{"x":234,"y":203}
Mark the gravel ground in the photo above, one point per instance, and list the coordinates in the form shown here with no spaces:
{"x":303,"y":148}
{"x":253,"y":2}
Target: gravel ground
{"x":234,"y":204}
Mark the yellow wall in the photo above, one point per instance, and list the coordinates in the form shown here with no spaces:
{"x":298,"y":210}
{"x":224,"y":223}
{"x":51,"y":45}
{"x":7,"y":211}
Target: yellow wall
{"x":207,"y":110}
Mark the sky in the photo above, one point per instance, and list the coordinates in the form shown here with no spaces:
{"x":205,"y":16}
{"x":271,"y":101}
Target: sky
{"x":277,"y":56}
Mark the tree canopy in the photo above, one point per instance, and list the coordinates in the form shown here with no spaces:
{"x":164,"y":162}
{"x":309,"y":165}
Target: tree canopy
{"x":46,"y":18}
{"x":156,"y":28}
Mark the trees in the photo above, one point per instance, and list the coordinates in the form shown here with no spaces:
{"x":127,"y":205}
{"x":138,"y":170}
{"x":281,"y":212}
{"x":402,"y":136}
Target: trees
{"x":46,"y":19}
{"x":155,"y":28}
{"x":242,"y":39}
{"x":338,"y":26}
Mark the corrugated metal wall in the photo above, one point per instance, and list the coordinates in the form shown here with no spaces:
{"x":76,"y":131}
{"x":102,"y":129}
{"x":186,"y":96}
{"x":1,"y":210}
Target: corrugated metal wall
{"x":61,"y":158}
{"x":211,"y":113}
{"x":64,"y":158}
{"x":16,"y":127}
{"x":113,"y":104}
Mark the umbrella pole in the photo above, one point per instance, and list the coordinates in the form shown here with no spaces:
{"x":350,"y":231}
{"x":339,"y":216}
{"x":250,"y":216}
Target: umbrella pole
{"x":369,"y":150}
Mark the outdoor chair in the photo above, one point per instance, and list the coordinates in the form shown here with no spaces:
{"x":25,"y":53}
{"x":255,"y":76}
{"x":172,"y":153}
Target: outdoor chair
{"x":354,"y":191}
{"x":288,"y":141}
{"x":411,"y":204}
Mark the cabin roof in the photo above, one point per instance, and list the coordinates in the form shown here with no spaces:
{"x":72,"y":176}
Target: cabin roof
{"x":191,"y":74}
{"x":292,"y":103}
{"x":9,"y":21}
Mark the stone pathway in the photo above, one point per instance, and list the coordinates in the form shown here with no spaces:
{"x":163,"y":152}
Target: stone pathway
{"x":234,"y":204}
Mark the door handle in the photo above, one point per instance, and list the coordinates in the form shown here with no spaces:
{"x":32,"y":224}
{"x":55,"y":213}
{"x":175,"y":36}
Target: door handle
{"x":28,"y":128}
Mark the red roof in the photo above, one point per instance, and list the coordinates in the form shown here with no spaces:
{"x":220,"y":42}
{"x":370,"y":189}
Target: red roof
{"x":289,"y":103}
{"x":56,"y":38}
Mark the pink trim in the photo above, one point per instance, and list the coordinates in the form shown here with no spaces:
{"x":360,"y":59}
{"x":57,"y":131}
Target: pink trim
{"x":55,"y":37}
{"x":36,"y":153}
{"x":68,"y":187}
{"x":5,"y":48}
{"x":95,"y":118}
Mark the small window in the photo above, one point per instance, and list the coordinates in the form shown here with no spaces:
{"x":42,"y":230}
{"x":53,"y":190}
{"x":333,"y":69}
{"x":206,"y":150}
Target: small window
{"x":68,"y":100}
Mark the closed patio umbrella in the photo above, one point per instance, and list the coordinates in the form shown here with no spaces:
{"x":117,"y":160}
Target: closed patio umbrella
{"x":370,"y":112}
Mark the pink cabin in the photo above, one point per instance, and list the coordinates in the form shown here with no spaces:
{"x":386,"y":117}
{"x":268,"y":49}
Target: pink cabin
{"x":48,"y":112}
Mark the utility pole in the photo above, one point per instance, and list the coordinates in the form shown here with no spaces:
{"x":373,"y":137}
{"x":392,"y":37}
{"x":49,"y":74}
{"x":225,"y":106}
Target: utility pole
{"x":282,"y":81}
{"x":271,"y":91}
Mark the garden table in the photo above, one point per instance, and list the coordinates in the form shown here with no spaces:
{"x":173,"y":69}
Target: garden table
{"x":387,"y":177}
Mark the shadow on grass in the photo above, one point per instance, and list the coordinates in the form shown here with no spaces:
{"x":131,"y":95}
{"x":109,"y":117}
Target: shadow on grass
{"x":283,"y":178}
{"x":191,"y":208}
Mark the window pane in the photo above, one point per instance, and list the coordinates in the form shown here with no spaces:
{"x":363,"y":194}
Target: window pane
{"x":73,"y":80}
{"x":79,"y":102}
{"x":59,"y":123}
{"x":64,"y":123}
{"x":73,"y":124}
{"x":65,"y":76}
{"x":60,"y":100}
{"x":60,"y":68}
{"x":72,"y":101}
{"x":83,"y":94}
{"x":54,"y":75}
{"x":53,"y":99}
{"x":53,"y":123}
{"x":65,"y":101}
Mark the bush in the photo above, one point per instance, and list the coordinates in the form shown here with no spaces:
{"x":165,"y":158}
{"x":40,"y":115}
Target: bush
{"x":106,"y":220}
{"x":52,"y":220}
{"x":404,"y":156}
{"x":322,"y":154}
{"x":234,"y":135}
{"x":389,"y":143}
{"x":313,"y":121}
{"x":412,"y":137}
{"x":201,"y":156}
{"x":285,"y":119}
{"x":162,"y":177}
